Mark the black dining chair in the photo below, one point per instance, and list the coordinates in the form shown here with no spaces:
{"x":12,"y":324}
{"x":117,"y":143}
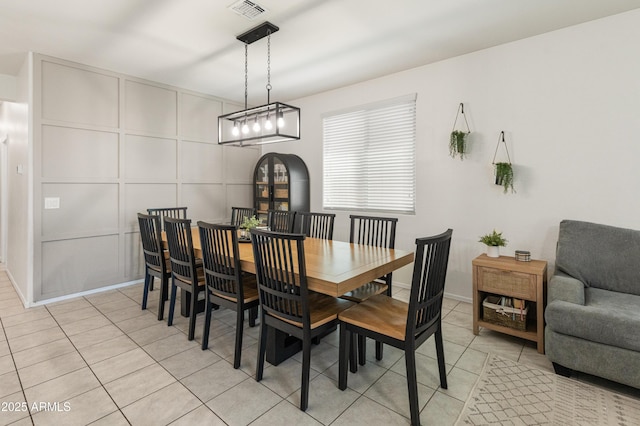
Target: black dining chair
{"x":317,"y":225}
{"x":286,"y":302}
{"x":378,"y":232}
{"x":281,"y":221}
{"x":185,"y":273}
{"x":238,"y":214}
{"x":174,"y":212}
{"x":226,"y":284}
{"x":404,"y":325}
{"x":155,"y":259}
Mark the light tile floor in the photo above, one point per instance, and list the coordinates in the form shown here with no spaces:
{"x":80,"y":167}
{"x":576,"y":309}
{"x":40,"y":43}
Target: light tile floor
{"x":102,"y":360}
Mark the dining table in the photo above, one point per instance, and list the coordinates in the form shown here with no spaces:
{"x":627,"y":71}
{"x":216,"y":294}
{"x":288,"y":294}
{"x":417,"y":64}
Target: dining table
{"x":333,"y":268}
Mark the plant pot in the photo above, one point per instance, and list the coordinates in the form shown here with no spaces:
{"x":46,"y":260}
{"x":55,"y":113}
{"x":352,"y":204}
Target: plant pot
{"x":493,"y":251}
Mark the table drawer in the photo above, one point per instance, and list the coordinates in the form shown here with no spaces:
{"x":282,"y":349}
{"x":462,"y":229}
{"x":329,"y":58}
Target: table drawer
{"x":508,"y":283}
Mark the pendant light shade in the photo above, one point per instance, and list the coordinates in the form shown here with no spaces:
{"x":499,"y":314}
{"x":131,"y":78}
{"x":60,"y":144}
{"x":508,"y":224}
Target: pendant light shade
{"x":273,"y":122}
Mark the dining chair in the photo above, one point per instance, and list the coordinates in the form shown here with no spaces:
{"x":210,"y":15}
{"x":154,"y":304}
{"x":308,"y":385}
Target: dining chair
{"x":281,"y":221}
{"x":174,"y":212}
{"x":317,"y":225}
{"x":226,"y":284}
{"x":238,"y":214}
{"x":378,"y":232}
{"x":155,"y":259}
{"x":185,"y":273}
{"x":285,"y":300}
{"x":403,"y":325}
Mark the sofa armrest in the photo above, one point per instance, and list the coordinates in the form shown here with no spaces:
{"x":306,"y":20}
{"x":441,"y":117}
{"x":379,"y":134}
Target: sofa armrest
{"x":565,"y":288}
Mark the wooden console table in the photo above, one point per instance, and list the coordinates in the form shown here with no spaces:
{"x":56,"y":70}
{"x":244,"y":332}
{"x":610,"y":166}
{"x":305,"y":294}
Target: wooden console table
{"x":504,"y":276}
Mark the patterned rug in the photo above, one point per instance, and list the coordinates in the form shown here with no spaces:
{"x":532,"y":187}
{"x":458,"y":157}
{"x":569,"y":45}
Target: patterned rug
{"x":509,"y":393}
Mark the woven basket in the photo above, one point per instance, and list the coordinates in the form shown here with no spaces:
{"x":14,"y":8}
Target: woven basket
{"x":495,"y":313}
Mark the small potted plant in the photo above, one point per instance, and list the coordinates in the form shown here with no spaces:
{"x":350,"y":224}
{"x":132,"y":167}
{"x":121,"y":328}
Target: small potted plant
{"x":504,"y":176}
{"x":458,"y":143}
{"x":493,"y":241}
{"x":247,"y":225}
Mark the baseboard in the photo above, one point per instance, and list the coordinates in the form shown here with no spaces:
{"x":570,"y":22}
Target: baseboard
{"x":17,"y":289}
{"x":86,"y":293}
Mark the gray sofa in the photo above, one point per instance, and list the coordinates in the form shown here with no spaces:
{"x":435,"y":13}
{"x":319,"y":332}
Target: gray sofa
{"x":593,"y":302}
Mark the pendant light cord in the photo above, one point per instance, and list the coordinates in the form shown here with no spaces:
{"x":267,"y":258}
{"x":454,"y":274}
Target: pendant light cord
{"x":246,"y":74}
{"x":268,"y":67}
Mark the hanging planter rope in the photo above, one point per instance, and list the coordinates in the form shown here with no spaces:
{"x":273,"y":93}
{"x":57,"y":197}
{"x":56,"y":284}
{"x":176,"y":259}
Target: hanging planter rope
{"x":503,"y":171}
{"x":458,"y":138}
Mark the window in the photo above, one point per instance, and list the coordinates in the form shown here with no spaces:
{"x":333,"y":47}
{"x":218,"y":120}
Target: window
{"x":369,"y":157}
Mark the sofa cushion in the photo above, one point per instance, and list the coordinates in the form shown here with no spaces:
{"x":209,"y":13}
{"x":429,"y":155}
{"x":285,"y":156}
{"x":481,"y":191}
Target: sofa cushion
{"x":599,"y":255}
{"x":607,"y":317}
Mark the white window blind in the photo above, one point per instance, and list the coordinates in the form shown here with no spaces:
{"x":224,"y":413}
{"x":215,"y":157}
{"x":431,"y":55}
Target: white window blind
{"x":369,"y":157}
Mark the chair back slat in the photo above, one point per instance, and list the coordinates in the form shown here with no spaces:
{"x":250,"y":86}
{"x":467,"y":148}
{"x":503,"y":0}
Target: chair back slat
{"x":221,"y":259}
{"x":173,"y":212}
{"x":150,"y":233}
{"x":427,"y":286}
{"x":318,"y":225}
{"x":180,"y":244}
{"x":373,"y":231}
{"x":281,"y":275}
{"x":281,"y":221}
{"x":238,"y":214}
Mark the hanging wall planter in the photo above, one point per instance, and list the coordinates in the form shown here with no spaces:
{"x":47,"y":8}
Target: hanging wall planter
{"x":503,"y":171}
{"x":459,"y":138}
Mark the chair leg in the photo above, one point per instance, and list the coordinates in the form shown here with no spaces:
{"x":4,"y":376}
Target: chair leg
{"x":306,"y":368}
{"x":172,"y":304}
{"x":262,"y":348}
{"x":192,"y":316}
{"x":164,"y":287}
{"x":253,"y":314}
{"x":440,"y":353}
{"x":412,"y":383}
{"x":379,"y":347}
{"x":239,"y":331}
{"x":151,"y":284}
{"x":362,"y":349}
{"x":145,"y":291}
{"x":207,"y":321}
{"x":343,"y":357}
{"x":353,"y":352}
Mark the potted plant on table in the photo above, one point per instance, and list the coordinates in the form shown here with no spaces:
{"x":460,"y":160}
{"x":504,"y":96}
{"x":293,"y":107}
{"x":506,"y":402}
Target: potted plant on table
{"x":493,"y":241}
{"x":247,"y":225}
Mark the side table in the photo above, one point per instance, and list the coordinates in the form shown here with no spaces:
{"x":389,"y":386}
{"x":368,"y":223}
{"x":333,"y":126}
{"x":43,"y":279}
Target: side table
{"x":505,"y":276}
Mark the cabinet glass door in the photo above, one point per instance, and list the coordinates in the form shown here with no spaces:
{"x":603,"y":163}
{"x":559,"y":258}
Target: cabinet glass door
{"x":262,"y":190}
{"x":280,"y":186}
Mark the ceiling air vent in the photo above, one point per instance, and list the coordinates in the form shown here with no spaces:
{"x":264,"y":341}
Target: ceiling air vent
{"x":248,"y":9}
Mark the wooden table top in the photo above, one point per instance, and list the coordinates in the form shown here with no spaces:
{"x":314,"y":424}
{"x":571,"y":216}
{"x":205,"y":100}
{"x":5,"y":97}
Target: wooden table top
{"x":333,"y":267}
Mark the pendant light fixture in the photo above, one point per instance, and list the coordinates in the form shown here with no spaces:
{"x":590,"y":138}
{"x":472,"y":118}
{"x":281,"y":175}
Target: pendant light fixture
{"x":272,"y":122}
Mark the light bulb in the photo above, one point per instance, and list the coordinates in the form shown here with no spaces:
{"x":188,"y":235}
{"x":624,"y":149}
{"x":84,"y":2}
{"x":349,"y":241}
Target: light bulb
{"x":235,"y":131}
{"x":256,"y":126}
{"x":280,"y":121}
{"x":268,"y":125}
{"x":245,"y":128}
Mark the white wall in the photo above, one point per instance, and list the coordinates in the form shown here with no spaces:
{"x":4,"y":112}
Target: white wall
{"x":108,"y":146}
{"x":15,"y":116}
{"x":568,"y":102}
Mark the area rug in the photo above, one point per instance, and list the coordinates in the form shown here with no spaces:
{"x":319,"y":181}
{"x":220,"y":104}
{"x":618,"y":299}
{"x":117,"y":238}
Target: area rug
{"x":509,"y":393}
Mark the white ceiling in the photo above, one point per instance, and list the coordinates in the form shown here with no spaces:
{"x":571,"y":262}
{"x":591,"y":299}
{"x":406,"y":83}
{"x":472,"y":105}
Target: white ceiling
{"x":321,"y":45}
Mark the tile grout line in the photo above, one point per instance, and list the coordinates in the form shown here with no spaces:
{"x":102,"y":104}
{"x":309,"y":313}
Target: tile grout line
{"x":13,"y":360}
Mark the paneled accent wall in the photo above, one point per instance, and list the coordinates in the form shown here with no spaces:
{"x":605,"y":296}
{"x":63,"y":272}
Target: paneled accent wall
{"x":108,"y":146}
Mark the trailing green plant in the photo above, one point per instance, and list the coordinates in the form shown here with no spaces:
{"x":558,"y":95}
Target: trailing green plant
{"x":250,"y":222}
{"x":493,"y":239}
{"x":458,"y":143}
{"x":504,"y":176}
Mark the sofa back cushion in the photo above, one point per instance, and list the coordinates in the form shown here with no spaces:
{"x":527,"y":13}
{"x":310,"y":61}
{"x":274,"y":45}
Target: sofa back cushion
{"x":600,"y":256}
